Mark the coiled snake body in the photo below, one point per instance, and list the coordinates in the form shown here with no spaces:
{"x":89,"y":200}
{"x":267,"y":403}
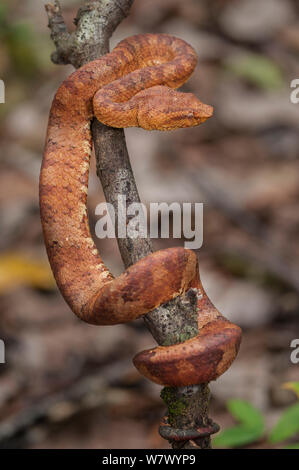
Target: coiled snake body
{"x":134,"y":85}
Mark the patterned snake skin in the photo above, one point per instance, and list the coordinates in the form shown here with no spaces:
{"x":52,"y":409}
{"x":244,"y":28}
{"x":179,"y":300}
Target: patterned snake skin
{"x":134,"y":85}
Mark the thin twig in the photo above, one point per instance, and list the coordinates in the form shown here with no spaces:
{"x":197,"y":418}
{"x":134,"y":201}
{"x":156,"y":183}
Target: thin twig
{"x":96,"y":20}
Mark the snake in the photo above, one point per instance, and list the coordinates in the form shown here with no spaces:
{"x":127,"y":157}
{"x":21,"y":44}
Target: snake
{"x":135,"y":85}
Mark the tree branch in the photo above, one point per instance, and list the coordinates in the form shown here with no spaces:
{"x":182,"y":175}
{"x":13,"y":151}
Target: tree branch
{"x":96,"y":20}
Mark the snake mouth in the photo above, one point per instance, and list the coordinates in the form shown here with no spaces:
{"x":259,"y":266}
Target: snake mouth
{"x":189,"y":118}
{"x":203,"y":114}
{"x":183,"y":120}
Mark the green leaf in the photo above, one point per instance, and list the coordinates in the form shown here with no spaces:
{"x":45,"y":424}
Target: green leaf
{"x":258,"y":70}
{"x":293,"y":386}
{"x":250,"y":430}
{"x":20,"y":42}
{"x":293,"y":446}
{"x":247,"y":414}
{"x":3,"y":13}
{"x":236,"y":437}
{"x":287,"y":426}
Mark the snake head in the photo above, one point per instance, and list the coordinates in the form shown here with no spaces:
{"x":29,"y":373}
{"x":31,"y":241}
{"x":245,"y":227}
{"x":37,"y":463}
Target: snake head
{"x":162,"y":108}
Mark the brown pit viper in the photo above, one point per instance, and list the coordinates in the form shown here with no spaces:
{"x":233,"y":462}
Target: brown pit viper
{"x":134,"y":85}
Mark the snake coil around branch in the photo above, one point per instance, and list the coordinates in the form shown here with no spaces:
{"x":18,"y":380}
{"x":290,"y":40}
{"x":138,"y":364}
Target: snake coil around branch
{"x":134,"y":85}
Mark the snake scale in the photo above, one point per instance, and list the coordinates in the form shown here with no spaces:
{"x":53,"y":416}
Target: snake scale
{"x":134,"y":85}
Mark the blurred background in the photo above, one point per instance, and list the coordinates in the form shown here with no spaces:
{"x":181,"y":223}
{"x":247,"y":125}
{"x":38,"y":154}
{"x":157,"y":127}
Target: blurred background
{"x":66,"y":384}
